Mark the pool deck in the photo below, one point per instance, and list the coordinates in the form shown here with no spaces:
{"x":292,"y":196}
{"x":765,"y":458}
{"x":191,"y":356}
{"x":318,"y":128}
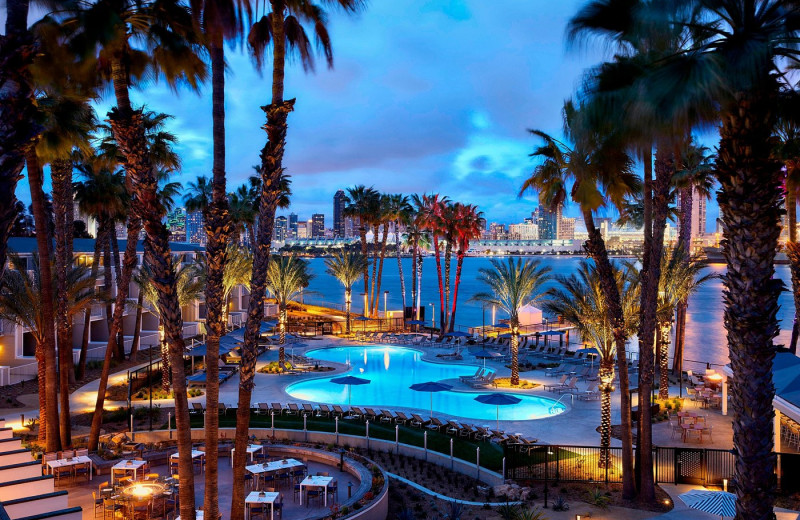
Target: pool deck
{"x":576,"y":426}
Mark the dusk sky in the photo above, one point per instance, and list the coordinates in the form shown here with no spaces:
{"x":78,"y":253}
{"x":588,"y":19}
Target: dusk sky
{"x":425,"y":96}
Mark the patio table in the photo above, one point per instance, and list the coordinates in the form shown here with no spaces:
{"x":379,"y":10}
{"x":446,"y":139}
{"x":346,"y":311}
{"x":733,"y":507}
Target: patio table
{"x":127,"y":466}
{"x":261,"y":497}
{"x":72,"y":461}
{"x":316,"y":481}
{"x":252,"y":449}
{"x":275,"y":465}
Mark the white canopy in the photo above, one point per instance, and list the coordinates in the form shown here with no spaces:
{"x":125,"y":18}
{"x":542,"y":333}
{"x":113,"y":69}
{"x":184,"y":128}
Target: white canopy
{"x":530,"y":315}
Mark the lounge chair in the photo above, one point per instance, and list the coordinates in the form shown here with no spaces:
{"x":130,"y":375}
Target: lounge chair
{"x":401,"y":418}
{"x":418,"y":421}
{"x":324,"y":410}
{"x":276,"y":408}
{"x":453,"y":427}
{"x":197,"y":408}
{"x":387,"y":416}
{"x":590,"y":393}
{"x":526,"y":445}
{"x":561,"y":382}
{"x":483,"y":433}
{"x":371,"y":414}
{"x":436,"y":424}
{"x":292,"y":409}
{"x":467,"y":430}
{"x":356,"y":412}
{"x":262,"y":409}
{"x":489,"y":380}
{"x":476,"y":375}
{"x":554,"y":371}
{"x":337,"y":410}
{"x":571,"y":387}
{"x":308,"y":409}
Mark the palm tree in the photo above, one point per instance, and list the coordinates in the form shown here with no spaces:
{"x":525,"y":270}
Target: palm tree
{"x":399,"y":209}
{"x":694,"y":175}
{"x":679,"y":280}
{"x":238,"y":267}
{"x":513,"y":285}
{"x":198,"y":196}
{"x":21,"y":301}
{"x":190,"y":286}
{"x":431,"y":208}
{"x":286,"y":277}
{"x":243,"y":214}
{"x":383,"y":217}
{"x":470,"y":225}
{"x":346,"y":266}
{"x":599,"y":173}
{"x":581,"y":300}
{"x":734,"y":64}
{"x":361,"y":203}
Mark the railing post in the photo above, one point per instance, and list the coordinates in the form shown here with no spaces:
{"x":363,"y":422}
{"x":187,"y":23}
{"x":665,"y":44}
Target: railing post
{"x":133,"y":434}
{"x":169,"y":424}
{"x":504,"y":470}
{"x":452,"y":463}
{"x":397,"y":438}
{"x":305,"y":429}
{"x":425,"y":443}
{"x":367,"y":431}
{"x":336,"y":420}
{"x":478,"y":461}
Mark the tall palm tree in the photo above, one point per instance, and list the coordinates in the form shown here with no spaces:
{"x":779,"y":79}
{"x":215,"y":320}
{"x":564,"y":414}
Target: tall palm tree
{"x":287,"y":276}
{"x":22,"y":302}
{"x":400,"y":210}
{"x":679,"y":280}
{"x":283,"y":25}
{"x":361,"y":203}
{"x":198,"y":196}
{"x":238,"y":267}
{"x":431,"y":208}
{"x":243,"y":214}
{"x":513,"y":285}
{"x":346,"y":266}
{"x":694,"y":175}
{"x":581,"y":300}
{"x":470,"y":226}
{"x":383,"y":218}
{"x":599,"y":173}
{"x":734,"y":64}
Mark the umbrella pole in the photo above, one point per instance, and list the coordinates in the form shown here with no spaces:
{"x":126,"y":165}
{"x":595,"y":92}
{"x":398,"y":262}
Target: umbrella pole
{"x":497,"y":420}
{"x":431,"y":404}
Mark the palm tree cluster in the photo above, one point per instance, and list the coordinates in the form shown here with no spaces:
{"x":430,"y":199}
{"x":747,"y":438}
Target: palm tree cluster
{"x":678,"y":67}
{"x":429,"y":221}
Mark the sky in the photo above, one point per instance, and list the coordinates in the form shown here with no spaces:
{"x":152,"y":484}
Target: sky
{"x":425,"y":96}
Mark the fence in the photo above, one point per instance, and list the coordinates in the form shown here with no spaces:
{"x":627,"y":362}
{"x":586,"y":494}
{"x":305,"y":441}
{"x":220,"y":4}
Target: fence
{"x":678,"y":465}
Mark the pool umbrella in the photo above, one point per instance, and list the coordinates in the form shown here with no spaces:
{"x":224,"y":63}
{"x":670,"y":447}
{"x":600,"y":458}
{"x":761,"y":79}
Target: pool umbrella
{"x":298,"y":345}
{"x":236,"y":335}
{"x":486,"y":354}
{"x":498,"y":399}
{"x":364,"y":321}
{"x":456,"y":334}
{"x":431,"y":387}
{"x":266,"y":326}
{"x":501,"y":326}
{"x":715,"y":502}
{"x":415,"y":322}
{"x":504,"y":336}
{"x":349,"y":381}
{"x":591,"y":351}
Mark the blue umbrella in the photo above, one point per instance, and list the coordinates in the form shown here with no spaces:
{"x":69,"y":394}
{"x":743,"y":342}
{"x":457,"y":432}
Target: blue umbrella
{"x":498,"y":399}
{"x":502,"y":326}
{"x":237,"y":335}
{"x":266,"y":326}
{"x":504,"y":336}
{"x":349,"y":381}
{"x":456,"y":334}
{"x":415,"y":322}
{"x":591,"y":351}
{"x":431,"y":387}
{"x":486,"y":354}
{"x":363,"y":319}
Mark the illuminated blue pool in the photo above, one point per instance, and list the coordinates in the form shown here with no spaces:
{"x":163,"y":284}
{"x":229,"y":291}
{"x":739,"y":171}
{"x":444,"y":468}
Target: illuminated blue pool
{"x":392,"y":370}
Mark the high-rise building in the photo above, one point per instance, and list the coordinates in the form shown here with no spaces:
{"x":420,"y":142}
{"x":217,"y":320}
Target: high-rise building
{"x":497,"y":231}
{"x":176,"y":221}
{"x":548,"y":221}
{"x":525,"y":231}
{"x":281,"y":229}
{"x":566,"y":229}
{"x":195,"y":230}
{"x":292,"y":230}
{"x":317,"y":225}
{"x":302,"y":230}
{"x":698,"y":215}
{"x":350,"y":227}
{"x":339,"y":200}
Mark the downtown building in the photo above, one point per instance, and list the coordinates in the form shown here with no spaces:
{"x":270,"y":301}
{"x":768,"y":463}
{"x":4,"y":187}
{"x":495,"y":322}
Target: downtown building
{"x":339,"y":203}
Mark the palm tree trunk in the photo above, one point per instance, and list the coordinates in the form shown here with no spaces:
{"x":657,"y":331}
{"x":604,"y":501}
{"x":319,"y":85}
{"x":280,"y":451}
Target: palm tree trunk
{"x":459,"y":263}
{"x":380,"y":267}
{"x":348,"y":297}
{"x":596,"y":248}
{"x":271,"y":174}
{"x":514,"y":350}
{"x":793,"y":253}
{"x":750,"y":205}
{"x":18,"y":125}
{"x":650,"y":275}
{"x":414,"y":298}
{"x":606,"y":376}
{"x":35,"y":180}
{"x":400,"y":268}
{"x":448,"y":252}
{"x":87,"y":317}
{"x":137,"y":328}
{"x":61,"y":178}
{"x":120,"y":354}
{"x":129,"y":261}
{"x":685,"y":238}
{"x":374,"y":298}
{"x":217,"y":230}
{"x":419,"y":283}
{"x":438,"y":257}
{"x":362,"y":231}
{"x":41,"y":379}
{"x":662,"y":343}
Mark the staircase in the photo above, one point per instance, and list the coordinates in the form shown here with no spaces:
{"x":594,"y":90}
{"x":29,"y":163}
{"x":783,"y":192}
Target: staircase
{"x":26,"y":494}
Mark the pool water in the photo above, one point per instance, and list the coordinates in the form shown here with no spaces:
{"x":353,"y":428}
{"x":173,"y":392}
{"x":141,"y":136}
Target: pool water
{"x":391,"y":370}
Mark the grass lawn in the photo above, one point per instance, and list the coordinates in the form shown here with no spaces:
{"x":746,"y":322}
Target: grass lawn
{"x":491,"y":453}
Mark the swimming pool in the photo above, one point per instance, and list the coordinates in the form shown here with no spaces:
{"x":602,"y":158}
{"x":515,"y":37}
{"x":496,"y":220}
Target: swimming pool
{"x":391,"y":370}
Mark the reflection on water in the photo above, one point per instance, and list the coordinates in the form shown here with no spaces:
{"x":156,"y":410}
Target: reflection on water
{"x":705,"y":331}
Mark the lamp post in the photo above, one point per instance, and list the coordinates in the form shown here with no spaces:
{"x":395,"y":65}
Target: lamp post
{"x":433,"y":315}
{"x":365,"y":303}
{"x":385,"y":315}
{"x":348,"y":299}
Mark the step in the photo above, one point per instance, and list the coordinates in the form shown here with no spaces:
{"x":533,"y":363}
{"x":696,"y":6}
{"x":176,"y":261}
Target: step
{"x":26,"y":487}
{"x":19,"y":456}
{"x":22,"y":470}
{"x":12,"y":444}
{"x":72,"y":513}
{"x":6,"y":433}
{"x":36,"y":505}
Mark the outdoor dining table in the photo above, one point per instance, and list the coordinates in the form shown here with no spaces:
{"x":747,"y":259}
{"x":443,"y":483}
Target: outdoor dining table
{"x":195,"y":454}
{"x":687,"y":428}
{"x":262,"y":497}
{"x":252,"y":449}
{"x":316,"y":481}
{"x":275,"y":465}
{"x":126,"y":466}
{"x":72,"y":461}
